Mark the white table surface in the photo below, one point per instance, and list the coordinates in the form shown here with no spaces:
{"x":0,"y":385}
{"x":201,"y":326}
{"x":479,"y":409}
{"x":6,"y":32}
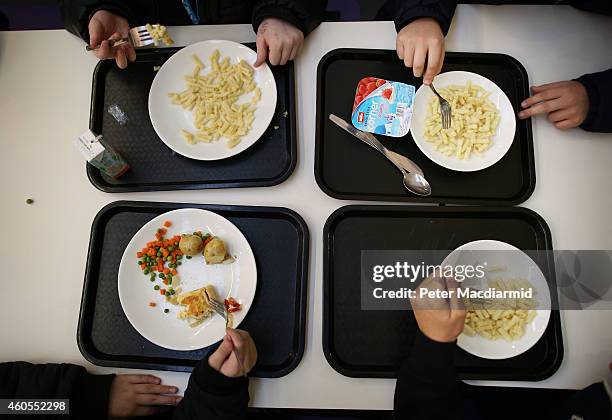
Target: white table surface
{"x":45,"y":87}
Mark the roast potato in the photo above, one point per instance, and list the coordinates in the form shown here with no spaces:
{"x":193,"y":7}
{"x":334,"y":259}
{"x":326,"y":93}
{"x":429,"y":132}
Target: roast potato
{"x":191,"y":245}
{"x":215,"y":251}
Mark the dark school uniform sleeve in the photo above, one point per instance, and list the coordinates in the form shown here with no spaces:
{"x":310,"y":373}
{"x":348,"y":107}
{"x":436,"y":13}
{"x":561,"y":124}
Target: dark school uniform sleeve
{"x":306,"y":15}
{"x":88,"y":394}
{"x":427,"y":384}
{"x":76,"y":13}
{"x":213,"y":396}
{"x":403,"y":12}
{"x":599,"y":89}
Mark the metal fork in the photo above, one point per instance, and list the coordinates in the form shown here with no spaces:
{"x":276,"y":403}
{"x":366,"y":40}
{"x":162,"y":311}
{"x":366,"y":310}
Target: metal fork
{"x":218,"y":307}
{"x":139,"y":37}
{"x":445,"y":108}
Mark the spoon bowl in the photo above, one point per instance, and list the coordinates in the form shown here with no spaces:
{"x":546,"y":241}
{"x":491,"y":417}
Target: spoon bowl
{"x":417,"y":184}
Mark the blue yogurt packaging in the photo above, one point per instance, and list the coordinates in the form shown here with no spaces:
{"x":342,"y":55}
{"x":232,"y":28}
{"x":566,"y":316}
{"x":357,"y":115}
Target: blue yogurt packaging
{"x":383,"y":107}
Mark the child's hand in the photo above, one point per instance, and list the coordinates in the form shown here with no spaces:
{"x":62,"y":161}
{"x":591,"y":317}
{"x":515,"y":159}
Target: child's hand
{"x":236,"y":355}
{"x":439,"y":319}
{"x":419,"y":39}
{"x":283,"y":40}
{"x":137,"y":395}
{"x":105,"y":25}
{"x":566,"y":103}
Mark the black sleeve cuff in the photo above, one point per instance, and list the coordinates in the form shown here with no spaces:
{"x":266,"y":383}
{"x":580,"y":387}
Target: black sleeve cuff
{"x":215,"y":383}
{"x":599,"y":89}
{"x":441,"y":12}
{"x":93,"y":392}
{"x":279,"y":13}
{"x":305,"y":16}
{"x":433,"y":362}
{"x":76,"y":18}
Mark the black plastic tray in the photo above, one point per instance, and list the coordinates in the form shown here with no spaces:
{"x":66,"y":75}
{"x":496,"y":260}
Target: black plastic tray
{"x":347,"y":169}
{"x":276,"y":321}
{"x":154,"y":166}
{"x":370,"y":343}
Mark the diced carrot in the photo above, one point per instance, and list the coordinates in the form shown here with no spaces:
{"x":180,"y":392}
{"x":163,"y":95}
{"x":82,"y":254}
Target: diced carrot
{"x":165,"y":252}
{"x":166,"y":270}
{"x":153,"y":268}
{"x":162,"y":292}
{"x":167,"y":223}
{"x":165,"y":281}
{"x":152,"y":304}
{"x":139,"y":255}
{"x":163,"y":231}
{"x":174,"y":272}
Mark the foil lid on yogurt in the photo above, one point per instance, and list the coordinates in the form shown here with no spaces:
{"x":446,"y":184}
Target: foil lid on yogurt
{"x":383,"y":107}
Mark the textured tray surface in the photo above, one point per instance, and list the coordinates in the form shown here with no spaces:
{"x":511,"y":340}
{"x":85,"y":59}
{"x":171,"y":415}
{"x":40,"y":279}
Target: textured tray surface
{"x":276,"y":320}
{"x":372,"y":343}
{"x":338,"y":154}
{"x":154,"y":166}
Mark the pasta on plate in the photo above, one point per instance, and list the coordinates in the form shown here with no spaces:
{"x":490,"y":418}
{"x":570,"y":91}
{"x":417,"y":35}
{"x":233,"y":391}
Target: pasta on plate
{"x":506,"y":319}
{"x":215,"y":100}
{"x":474,"y":121}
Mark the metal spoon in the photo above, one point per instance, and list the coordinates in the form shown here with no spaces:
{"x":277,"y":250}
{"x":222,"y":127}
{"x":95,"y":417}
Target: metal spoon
{"x":416,"y":183}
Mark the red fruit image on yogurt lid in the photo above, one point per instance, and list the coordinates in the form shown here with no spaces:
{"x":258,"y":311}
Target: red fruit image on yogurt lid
{"x":366,"y":86}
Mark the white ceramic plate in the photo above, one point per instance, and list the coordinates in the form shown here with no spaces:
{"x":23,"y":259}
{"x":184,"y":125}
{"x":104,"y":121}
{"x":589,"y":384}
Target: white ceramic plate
{"x":502,"y":140}
{"x":169,"y":119}
{"x":238,"y":280}
{"x":519,"y":265}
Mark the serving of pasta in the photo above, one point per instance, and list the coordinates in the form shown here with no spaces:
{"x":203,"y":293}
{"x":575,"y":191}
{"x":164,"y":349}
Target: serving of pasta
{"x":218,"y":100}
{"x":474,"y":121}
{"x":502,"y":318}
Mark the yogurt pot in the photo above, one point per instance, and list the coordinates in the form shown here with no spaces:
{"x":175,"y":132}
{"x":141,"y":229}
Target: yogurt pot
{"x":383,"y":107}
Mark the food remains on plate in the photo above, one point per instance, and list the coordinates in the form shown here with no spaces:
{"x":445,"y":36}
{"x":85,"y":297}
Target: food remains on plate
{"x":213,"y":99}
{"x":198,"y":305}
{"x":508,"y":319}
{"x":212,"y":247}
{"x":473,"y":124}
{"x":161,"y":258}
{"x":191,"y":245}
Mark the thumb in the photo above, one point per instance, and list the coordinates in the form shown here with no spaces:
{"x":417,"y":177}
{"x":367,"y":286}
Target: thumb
{"x":220,"y":355}
{"x":262,"y":50}
{"x":96,"y":33}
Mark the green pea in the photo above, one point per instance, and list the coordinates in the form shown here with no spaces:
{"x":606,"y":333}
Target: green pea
{"x":170,"y":248}
{"x":162,"y":276}
{"x":159,"y":254}
{"x":166,"y":311}
{"x":156,"y":287}
{"x":146,"y":271}
{"x":188,"y":257}
{"x":179,"y":263}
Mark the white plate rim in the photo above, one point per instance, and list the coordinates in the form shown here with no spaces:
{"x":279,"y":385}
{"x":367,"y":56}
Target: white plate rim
{"x":157,"y":221}
{"x":492,"y":244}
{"x":247,"y":141}
{"x":475,"y":163}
